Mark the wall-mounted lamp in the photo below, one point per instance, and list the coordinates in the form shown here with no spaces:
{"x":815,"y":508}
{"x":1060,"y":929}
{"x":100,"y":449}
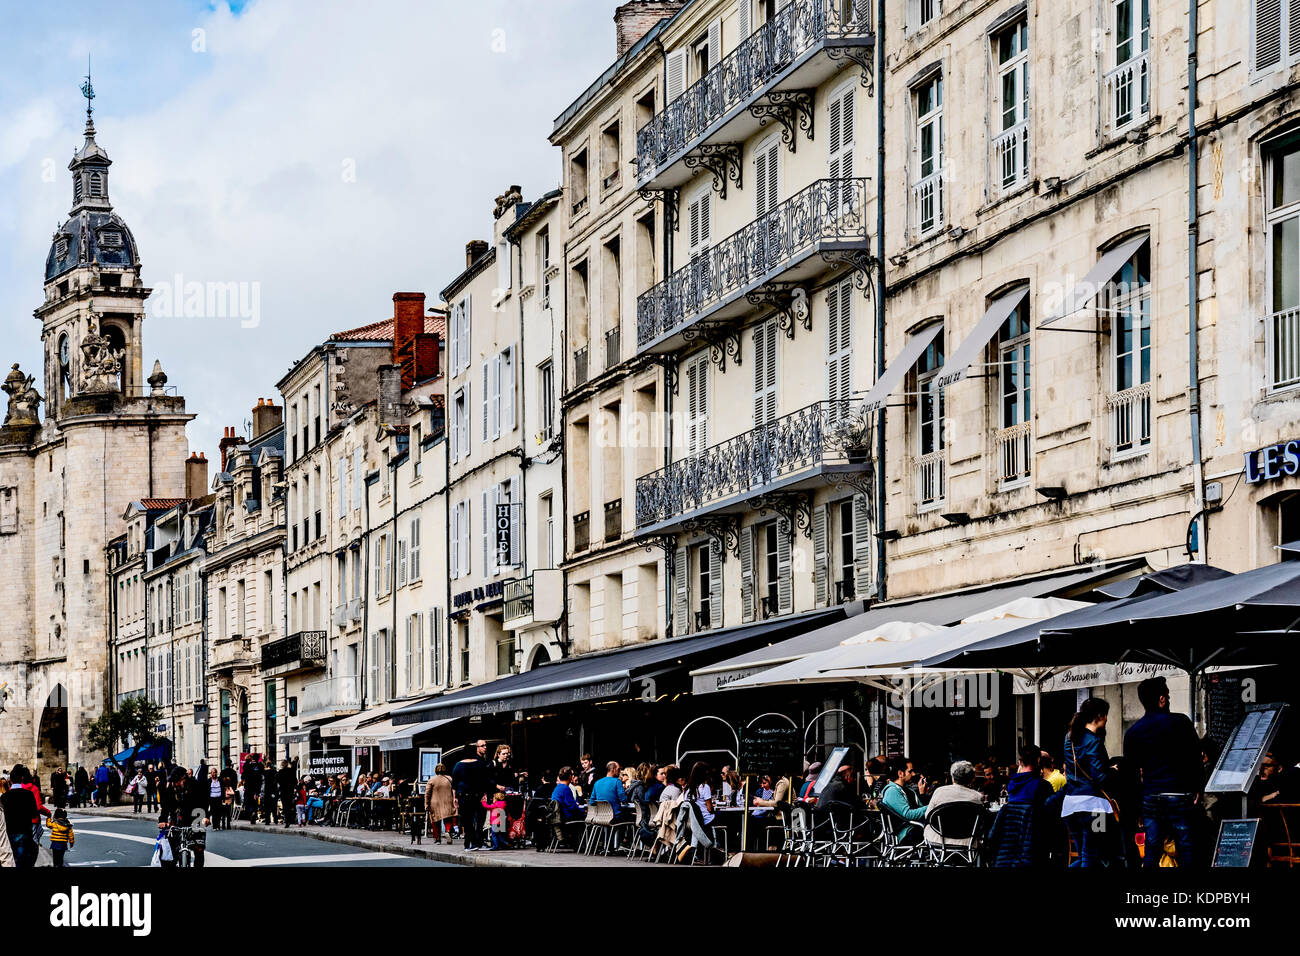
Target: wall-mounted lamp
{"x":956,"y":517}
{"x":1052,"y":492}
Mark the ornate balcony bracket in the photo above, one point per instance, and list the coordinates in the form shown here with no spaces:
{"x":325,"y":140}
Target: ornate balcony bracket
{"x":724,"y":531}
{"x":721,"y":159}
{"x":723,"y":339}
{"x":790,"y":302}
{"x":860,"y":261}
{"x":795,"y":510}
{"x":863,"y":56}
{"x":862,"y":482}
{"x":669,"y":198}
{"x":667,"y":543}
{"x":668,"y":362}
{"x":793,"y":109}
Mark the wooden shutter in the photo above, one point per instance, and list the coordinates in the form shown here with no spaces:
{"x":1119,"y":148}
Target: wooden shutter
{"x":699,"y":215}
{"x":379,"y":567}
{"x":1268,"y":34}
{"x":861,"y":546}
{"x":401,"y":563}
{"x":674,"y":74}
{"x":765,"y":373}
{"x":784,"y":584}
{"x":1292,"y":30}
{"x":681,"y":593}
{"x":747,"y":575}
{"x":840,"y":140}
{"x":415,"y":549}
{"x":767,"y":177}
{"x":697,"y":410}
{"x":453,"y":545}
{"x":715,"y":44}
{"x":465,"y":562}
{"x":465,"y":318}
{"x":821,"y":557}
{"x":487,"y":499}
{"x":516,"y":531}
{"x":453,"y":346}
{"x":839,"y":343}
{"x":715,"y":583}
{"x":744,"y":22}
{"x":508,"y":389}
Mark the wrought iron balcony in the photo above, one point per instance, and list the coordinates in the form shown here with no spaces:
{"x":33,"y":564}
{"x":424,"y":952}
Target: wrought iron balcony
{"x":580,"y":366}
{"x":792,"y":454}
{"x":826,"y":217}
{"x":536,"y":599}
{"x":798,"y":49}
{"x":517,"y":601}
{"x":613,"y":347}
{"x":303,"y":651}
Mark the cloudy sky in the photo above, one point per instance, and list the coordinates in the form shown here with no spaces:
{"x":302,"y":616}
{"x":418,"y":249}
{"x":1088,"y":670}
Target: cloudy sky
{"x":330,"y":151}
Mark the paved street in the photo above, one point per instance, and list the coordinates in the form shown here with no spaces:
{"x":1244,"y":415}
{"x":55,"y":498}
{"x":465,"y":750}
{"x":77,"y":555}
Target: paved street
{"x":128,"y":841}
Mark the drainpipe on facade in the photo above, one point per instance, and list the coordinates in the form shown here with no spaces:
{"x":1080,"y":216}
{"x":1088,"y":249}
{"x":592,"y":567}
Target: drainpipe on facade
{"x":1193,"y":237}
{"x":881,"y":544}
{"x":365,"y":605}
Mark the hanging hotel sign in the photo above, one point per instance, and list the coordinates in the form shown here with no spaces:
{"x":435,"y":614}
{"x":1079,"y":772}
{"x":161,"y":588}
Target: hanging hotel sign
{"x":1273,"y":461}
{"x":503,"y":533}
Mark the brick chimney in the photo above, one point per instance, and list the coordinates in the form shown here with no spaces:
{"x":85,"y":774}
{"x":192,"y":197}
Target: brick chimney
{"x":634,"y":19}
{"x":266,"y":415}
{"x":229,"y":439}
{"x":408,"y":322}
{"x":475,"y":249}
{"x":196,"y":475}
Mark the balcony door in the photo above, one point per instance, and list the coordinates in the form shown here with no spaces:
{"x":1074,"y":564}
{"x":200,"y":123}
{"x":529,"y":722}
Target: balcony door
{"x":699,"y":211}
{"x":765,"y":377}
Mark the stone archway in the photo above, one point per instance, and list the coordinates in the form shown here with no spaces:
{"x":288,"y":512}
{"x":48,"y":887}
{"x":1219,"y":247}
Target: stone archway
{"x":540,"y":656}
{"x":52,"y":732}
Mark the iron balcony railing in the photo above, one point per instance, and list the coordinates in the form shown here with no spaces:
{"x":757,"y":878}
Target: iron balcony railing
{"x":930,"y":480}
{"x":517,"y":600}
{"x":580,"y":366}
{"x":1130,"y":419}
{"x":306,"y":648}
{"x":1011,"y":155}
{"x":740,"y":77}
{"x":1015,"y":453}
{"x":828,"y":211}
{"x":613,"y":347}
{"x":826,"y":433}
{"x":927,"y":201}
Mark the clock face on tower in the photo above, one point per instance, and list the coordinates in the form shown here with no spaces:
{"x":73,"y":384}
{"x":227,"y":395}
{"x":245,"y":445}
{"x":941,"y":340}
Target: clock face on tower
{"x":63,"y":355}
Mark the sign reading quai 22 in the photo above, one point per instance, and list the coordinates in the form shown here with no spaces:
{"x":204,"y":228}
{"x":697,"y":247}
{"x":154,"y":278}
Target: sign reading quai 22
{"x":1274,"y":461}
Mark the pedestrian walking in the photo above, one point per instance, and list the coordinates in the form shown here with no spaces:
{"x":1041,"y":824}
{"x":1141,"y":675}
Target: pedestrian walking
{"x":252,"y":789}
{"x":471,"y":777}
{"x":439,"y":804}
{"x":81,"y":780}
{"x":62,"y":839}
{"x":6,"y":847}
{"x":287,"y":784}
{"x":1089,"y":812}
{"x":20,"y":812}
{"x":138,"y":786}
{"x":270,"y":794}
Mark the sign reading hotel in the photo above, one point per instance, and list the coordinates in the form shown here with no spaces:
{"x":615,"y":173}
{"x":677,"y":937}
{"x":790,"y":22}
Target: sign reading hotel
{"x":1273,"y":461}
{"x":503,"y":533}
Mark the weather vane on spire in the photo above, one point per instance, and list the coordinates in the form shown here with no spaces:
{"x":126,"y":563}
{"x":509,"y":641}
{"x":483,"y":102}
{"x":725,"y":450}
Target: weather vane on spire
{"x":87,"y":90}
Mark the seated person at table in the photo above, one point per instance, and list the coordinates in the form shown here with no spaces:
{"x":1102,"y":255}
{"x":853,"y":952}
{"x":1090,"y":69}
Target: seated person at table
{"x":771,"y":796}
{"x":840,"y":794}
{"x":563,"y":795}
{"x":1050,"y":771}
{"x":899,"y":799}
{"x":1027,"y":784}
{"x":959,"y":791}
{"x":674,"y":784}
{"x":810,"y":781}
{"x":609,"y":789}
{"x":1275,"y":783}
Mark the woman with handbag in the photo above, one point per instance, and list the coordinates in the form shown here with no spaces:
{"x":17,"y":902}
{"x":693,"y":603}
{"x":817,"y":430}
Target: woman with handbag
{"x":1088,"y":810}
{"x":137,"y":788}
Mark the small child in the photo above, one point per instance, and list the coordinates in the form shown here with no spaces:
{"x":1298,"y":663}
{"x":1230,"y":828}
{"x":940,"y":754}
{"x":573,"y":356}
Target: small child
{"x":62,"y":839}
{"x":497,"y":818}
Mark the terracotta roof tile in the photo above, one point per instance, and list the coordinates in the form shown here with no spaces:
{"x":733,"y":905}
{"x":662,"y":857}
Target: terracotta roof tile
{"x":383,"y":331}
{"x":160,"y":504}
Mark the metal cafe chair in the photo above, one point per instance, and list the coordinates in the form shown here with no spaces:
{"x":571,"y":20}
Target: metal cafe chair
{"x":959,"y":828}
{"x":851,"y":842}
{"x":797,"y":842}
{"x":600,"y":821}
{"x":894,"y":852}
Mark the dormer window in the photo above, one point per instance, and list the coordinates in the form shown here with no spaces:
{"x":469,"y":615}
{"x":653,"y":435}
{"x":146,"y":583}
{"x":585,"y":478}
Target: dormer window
{"x":61,"y":244}
{"x":110,"y":239}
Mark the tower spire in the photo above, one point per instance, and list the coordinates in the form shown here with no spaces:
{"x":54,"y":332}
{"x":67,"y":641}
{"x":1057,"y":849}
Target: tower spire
{"x":88,"y":91}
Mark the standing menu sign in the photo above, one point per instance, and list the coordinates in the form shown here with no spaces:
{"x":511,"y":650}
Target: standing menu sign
{"x":1239,"y":763}
{"x":1236,"y":842}
{"x":773,"y":750}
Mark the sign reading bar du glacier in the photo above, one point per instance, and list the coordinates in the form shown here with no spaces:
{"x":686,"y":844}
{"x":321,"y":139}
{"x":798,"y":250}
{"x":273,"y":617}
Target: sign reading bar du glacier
{"x":1273,"y":461}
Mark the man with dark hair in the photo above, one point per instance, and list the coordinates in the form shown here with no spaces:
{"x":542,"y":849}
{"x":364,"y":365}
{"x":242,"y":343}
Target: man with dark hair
{"x":288,"y":787}
{"x":183,"y":802}
{"x":899,"y":799}
{"x":471,"y":777}
{"x":252,"y":789}
{"x":270,"y":792}
{"x":1166,"y":753}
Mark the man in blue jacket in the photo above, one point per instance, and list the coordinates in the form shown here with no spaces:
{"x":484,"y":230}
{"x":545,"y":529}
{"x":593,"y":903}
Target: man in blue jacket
{"x":609,"y":789}
{"x":1166,"y":752}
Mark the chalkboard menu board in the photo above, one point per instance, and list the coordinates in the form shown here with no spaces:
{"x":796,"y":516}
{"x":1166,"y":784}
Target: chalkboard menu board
{"x":1236,"y":842}
{"x":1245,"y":749}
{"x":774,"y":750}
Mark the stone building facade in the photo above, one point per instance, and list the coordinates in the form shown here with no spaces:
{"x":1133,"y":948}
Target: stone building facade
{"x":107,"y":434}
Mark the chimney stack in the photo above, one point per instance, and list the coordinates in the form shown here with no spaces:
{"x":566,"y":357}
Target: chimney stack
{"x":266,"y":415}
{"x":634,"y":19}
{"x":196,"y":475}
{"x":475,"y":249}
{"x":229,"y":439}
{"x":408,"y":322}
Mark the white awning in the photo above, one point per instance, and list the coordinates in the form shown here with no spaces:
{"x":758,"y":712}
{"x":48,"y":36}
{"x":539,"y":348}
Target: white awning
{"x":402,"y":738}
{"x":893,"y":375}
{"x":956,"y":366}
{"x":348,"y":725}
{"x":1097,"y":278}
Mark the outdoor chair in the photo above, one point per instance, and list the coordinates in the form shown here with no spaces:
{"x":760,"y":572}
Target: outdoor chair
{"x":600,"y":823}
{"x":1282,"y":830}
{"x":562,"y":832}
{"x":851,"y":838}
{"x":894,"y":851}
{"x":958,"y":828}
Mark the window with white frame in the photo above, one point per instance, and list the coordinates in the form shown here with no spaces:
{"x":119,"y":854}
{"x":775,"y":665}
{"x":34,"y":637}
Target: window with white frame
{"x":1128,"y":81}
{"x":460,"y":424}
{"x":768,"y":568}
{"x":703,"y":591}
{"x":697,"y":405}
{"x":414,"y":553}
{"x":546,"y":388}
{"x":417,"y":452}
{"x":1014,"y":396}
{"x":1128,"y":305}
{"x":1282,"y":327}
{"x":544,"y":264}
{"x":923,"y":12}
{"x":927,"y":191}
{"x":1275,"y":33}
{"x":930,"y":464}
{"x":1010,"y":146}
